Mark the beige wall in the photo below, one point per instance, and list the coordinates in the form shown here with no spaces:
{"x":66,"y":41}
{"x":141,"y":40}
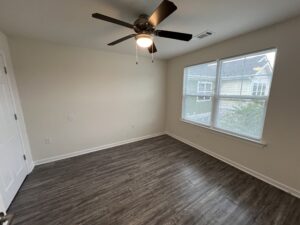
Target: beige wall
{"x":78,"y":98}
{"x":280,"y":160}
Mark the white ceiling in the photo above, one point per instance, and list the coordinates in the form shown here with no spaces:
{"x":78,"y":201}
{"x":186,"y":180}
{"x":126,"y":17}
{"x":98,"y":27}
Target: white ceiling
{"x":70,"y":21}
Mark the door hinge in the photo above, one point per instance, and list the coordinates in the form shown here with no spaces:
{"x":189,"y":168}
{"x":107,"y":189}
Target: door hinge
{"x":5,"y":70}
{"x":24,"y":157}
{"x":16,"y":117}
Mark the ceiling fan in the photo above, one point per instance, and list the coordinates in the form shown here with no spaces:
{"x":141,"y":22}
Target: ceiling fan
{"x":145,"y":27}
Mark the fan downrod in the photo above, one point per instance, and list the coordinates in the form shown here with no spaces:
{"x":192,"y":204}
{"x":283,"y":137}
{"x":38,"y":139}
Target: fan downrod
{"x":142,"y":25}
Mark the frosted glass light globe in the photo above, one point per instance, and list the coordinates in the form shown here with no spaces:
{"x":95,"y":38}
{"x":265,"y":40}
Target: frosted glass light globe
{"x":144,"y":40}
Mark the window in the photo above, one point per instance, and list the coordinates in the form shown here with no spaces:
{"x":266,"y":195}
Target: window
{"x":259,"y":89}
{"x":230,"y":95}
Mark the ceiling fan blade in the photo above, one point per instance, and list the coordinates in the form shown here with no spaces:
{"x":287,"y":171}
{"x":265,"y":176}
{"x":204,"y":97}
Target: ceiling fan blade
{"x":112,"y":20}
{"x":152,"y":48}
{"x":173,"y":35}
{"x":121,"y":39}
{"x":165,"y":9}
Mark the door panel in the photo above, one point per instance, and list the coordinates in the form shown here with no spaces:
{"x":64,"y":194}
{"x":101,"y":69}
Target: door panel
{"x":13,"y":169}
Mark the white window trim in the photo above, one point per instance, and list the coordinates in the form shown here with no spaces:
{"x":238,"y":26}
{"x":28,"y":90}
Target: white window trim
{"x":203,"y":100}
{"x":257,"y":91}
{"x":205,"y":83}
{"x":204,"y":93}
{"x":216,"y":96}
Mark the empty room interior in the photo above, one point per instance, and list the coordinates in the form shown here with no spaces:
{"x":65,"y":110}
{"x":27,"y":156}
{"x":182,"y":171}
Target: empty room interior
{"x":149,"y":112}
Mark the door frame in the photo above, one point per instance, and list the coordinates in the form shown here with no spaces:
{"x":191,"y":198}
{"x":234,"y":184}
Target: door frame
{"x":10,"y":75}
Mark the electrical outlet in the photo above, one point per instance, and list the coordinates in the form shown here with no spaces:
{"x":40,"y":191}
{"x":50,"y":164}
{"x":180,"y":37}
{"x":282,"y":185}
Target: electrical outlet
{"x":48,"y":140}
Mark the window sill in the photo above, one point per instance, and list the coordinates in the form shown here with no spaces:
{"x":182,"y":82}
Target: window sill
{"x":261,"y":143}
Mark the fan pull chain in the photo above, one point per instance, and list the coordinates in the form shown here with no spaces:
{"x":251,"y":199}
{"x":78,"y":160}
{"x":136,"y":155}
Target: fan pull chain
{"x":152,"y":54}
{"x":136,"y":55}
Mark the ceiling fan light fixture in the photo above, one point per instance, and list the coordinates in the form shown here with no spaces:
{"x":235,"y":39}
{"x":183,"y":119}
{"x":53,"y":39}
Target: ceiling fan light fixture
{"x":144,"y":40}
{"x":145,"y":27}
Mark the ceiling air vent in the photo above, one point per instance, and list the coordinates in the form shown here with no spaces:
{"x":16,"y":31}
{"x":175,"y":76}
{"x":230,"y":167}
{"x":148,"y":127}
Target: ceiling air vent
{"x":204,"y":35}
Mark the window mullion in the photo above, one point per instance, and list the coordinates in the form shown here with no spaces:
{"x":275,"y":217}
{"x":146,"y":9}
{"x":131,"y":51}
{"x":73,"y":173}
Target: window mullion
{"x":215,"y":98}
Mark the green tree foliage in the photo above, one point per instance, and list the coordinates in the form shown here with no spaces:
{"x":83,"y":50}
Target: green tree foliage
{"x":244,"y":118}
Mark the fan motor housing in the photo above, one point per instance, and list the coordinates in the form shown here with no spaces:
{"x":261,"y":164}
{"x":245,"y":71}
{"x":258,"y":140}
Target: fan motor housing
{"x":142,"y":25}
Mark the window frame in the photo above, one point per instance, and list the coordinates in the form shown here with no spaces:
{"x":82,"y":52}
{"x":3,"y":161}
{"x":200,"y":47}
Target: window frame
{"x":215,"y":98}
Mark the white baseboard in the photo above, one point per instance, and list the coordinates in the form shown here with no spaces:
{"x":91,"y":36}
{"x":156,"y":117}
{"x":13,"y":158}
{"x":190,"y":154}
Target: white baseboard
{"x":94,"y":149}
{"x":258,"y":175}
{"x":30,"y":166}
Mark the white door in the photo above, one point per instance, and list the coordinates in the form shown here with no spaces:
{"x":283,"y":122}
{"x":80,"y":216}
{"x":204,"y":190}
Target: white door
{"x":2,"y":208}
{"x":13,"y":169}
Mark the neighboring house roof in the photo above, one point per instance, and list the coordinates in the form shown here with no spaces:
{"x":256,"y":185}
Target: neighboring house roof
{"x":255,"y":65}
{"x":198,"y":70}
{"x":234,"y":69}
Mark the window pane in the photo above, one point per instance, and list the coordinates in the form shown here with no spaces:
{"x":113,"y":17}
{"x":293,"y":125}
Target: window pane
{"x":243,"y":117}
{"x":200,"y":79}
{"x":197,"y":109}
{"x":247,"y":75}
{"x":199,"y":83}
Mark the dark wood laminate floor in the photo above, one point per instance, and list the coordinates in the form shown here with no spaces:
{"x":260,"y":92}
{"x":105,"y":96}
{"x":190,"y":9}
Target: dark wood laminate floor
{"x":156,"y":181}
